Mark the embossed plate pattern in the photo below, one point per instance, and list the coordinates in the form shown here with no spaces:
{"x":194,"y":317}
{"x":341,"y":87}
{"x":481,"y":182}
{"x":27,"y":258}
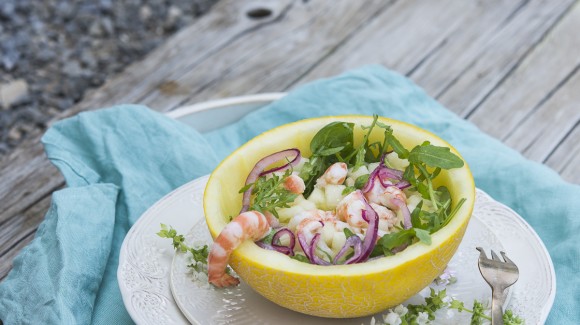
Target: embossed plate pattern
{"x":146,"y":276}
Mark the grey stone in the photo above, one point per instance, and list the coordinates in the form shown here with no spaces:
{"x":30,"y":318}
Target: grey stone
{"x":65,"y":47}
{"x":13,"y":93}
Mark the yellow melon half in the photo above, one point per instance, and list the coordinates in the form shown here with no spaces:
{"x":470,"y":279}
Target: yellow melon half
{"x":344,"y":290}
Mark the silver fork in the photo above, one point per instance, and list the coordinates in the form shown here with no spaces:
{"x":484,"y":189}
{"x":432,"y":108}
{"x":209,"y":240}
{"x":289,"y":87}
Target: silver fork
{"x":499,"y":275}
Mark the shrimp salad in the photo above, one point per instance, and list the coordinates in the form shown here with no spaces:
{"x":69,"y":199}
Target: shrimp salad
{"x":344,"y":204}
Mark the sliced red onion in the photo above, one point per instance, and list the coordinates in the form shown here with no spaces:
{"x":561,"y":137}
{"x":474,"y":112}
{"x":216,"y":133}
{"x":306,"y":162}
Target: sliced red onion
{"x":280,"y":249}
{"x":405,"y":211}
{"x":371,"y":234}
{"x":356,"y":243}
{"x":282,"y":232}
{"x":403,"y":185}
{"x":371,"y":181}
{"x":284,"y":154}
{"x":383,"y":173}
{"x":387,"y":172}
{"x":315,"y":259}
{"x":258,"y":171}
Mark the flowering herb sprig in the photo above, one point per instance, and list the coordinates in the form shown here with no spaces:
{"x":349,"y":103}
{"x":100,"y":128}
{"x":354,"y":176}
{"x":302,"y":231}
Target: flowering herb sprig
{"x":199,"y":255}
{"x":425,"y":313}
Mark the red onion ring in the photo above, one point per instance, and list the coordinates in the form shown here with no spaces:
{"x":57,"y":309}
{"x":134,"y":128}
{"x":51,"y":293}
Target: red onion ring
{"x":280,"y":249}
{"x":282,"y":232}
{"x":371,"y":234}
{"x":405,"y":211}
{"x":258,"y":171}
{"x":403,"y":185}
{"x":315,"y":259}
{"x":356,"y":243}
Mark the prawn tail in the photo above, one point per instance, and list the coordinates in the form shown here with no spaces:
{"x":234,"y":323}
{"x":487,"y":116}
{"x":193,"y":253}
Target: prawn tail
{"x":248,"y":225}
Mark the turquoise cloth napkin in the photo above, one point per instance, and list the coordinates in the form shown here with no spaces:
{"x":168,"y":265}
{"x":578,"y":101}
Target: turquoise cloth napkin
{"x":117,"y":162}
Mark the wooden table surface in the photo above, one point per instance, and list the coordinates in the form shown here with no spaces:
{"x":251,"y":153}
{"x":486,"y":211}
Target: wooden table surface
{"x":509,"y":66}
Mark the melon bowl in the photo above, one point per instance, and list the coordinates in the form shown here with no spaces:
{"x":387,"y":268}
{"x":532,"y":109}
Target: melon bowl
{"x":340,"y":291}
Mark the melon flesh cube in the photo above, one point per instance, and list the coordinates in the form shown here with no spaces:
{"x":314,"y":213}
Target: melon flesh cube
{"x":317,"y":197}
{"x":338,"y":241}
{"x":328,"y":233}
{"x":396,"y":162}
{"x":285,"y":214}
{"x":362,"y":170}
{"x":333,"y":195}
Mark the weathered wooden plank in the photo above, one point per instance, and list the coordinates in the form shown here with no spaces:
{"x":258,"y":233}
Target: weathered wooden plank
{"x":26,"y":177}
{"x":18,"y":227}
{"x":566,"y":157}
{"x":502,"y":54}
{"x":407,"y":36}
{"x":6,"y":259}
{"x":275,"y":57}
{"x":537,"y":135}
{"x":535,"y":80}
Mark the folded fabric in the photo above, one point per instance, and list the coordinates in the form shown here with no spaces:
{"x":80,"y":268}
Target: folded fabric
{"x":118,"y":162}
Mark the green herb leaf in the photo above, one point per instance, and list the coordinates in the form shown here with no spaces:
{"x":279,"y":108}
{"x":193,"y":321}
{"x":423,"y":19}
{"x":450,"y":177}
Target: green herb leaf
{"x":349,"y":189}
{"x":434,"y":156}
{"x":348,"y":233}
{"x":360,"y":181}
{"x":423,"y":236}
{"x":301,"y":258}
{"x":333,"y":135}
{"x":396,"y":239}
{"x":397,"y":146}
{"x":416,"y":216}
{"x":270,"y":194}
{"x":330,"y":151}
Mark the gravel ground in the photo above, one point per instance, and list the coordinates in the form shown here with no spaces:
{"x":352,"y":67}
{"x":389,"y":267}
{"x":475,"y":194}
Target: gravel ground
{"x":53,"y":51}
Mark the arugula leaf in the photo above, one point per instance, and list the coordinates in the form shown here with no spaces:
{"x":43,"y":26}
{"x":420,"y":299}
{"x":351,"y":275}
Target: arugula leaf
{"x":330,"y":151}
{"x":397,"y":146}
{"x":333,"y":135}
{"x":360,"y":181}
{"x":416,"y":216}
{"x":423,"y":235}
{"x":435,"y":156}
{"x":395,"y":239}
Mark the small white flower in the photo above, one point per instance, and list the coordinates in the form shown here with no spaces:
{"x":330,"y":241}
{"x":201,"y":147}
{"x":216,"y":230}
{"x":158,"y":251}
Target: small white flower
{"x":392,"y":319}
{"x":447,"y":299}
{"x":450,"y":313}
{"x":373,"y":321}
{"x":401,"y":310}
{"x":423,"y":318}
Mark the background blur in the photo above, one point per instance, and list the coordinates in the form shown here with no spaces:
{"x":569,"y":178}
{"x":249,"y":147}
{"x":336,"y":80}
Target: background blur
{"x":53,"y":51}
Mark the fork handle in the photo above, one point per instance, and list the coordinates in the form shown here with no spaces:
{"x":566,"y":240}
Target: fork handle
{"x":496,"y":307}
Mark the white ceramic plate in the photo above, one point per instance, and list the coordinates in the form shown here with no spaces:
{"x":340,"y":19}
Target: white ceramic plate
{"x":145,"y":264}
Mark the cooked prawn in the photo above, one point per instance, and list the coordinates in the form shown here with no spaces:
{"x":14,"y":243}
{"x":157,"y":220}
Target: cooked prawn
{"x":387,"y":218}
{"x":294,"y":184}
{"x":248,"y":225}
{"x":335,"y":174}
{"x":350,"y":209}
{"x":380,"y":195}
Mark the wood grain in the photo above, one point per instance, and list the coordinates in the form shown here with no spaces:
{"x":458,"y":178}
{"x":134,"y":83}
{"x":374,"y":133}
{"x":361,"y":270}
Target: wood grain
{"x":474,"y":55}
{"x":198,"y":56}
{"x":566,"y":157}
{"x":502,"y":53}
{"x":534,"y":81}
